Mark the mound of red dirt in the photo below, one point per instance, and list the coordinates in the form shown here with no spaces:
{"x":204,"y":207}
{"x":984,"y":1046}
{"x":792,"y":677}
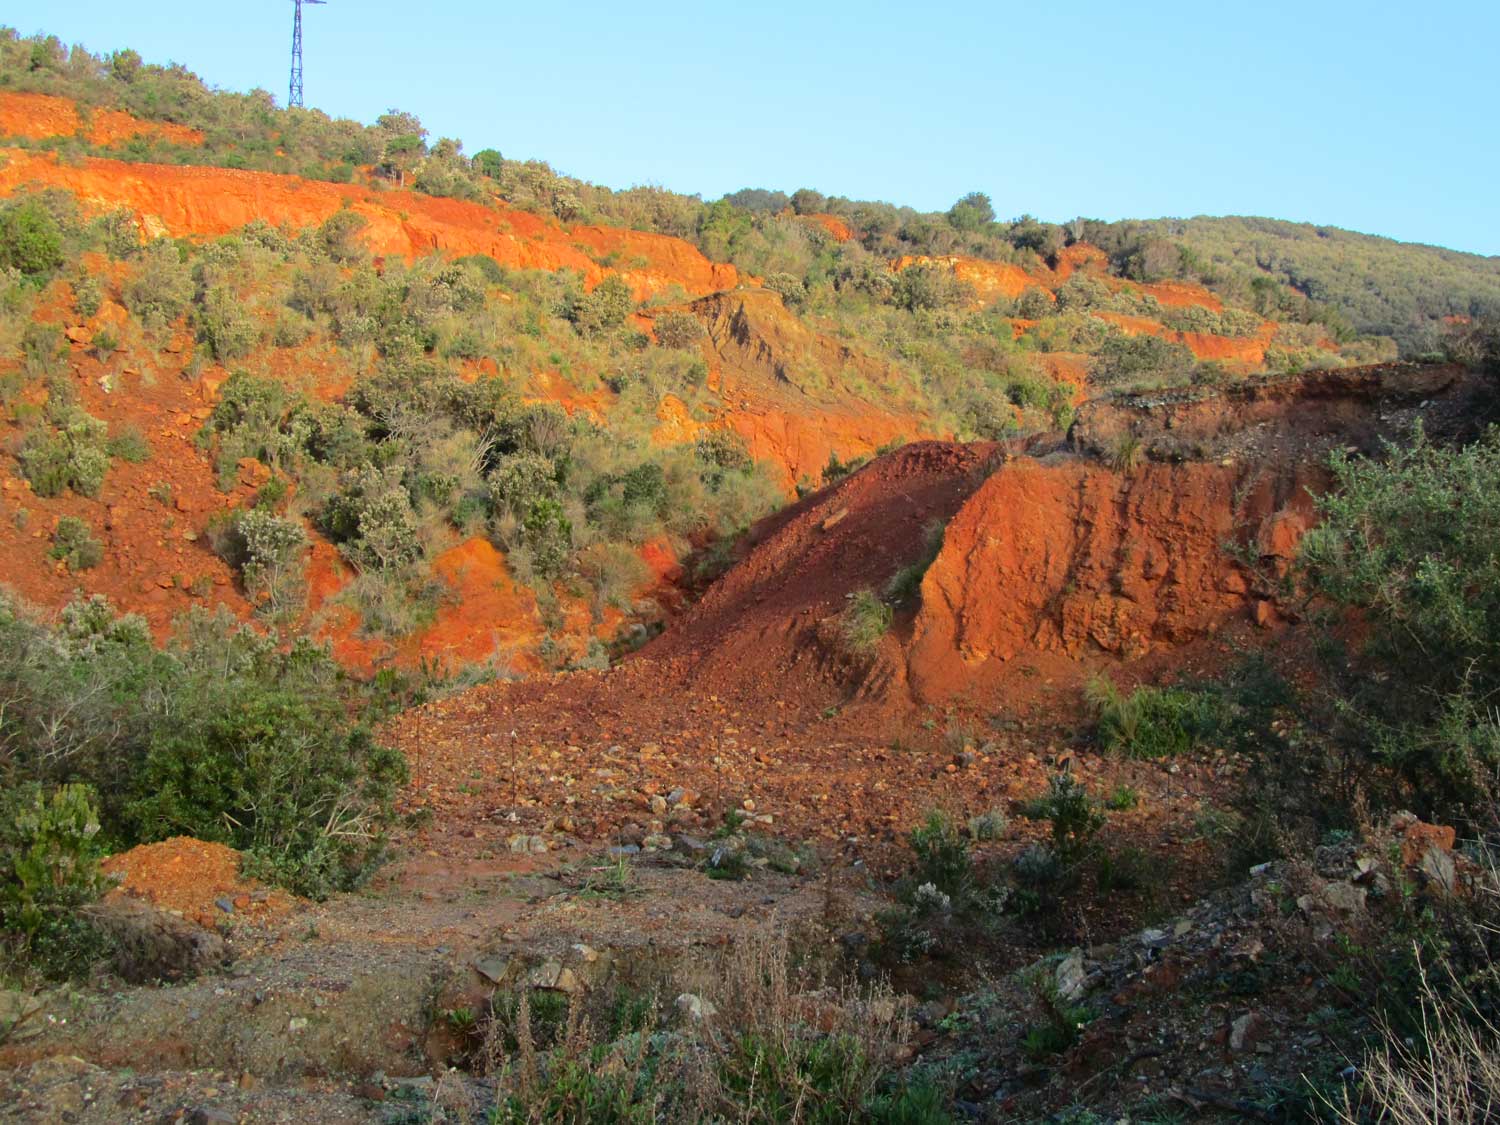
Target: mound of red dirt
{"x":194,"y":879}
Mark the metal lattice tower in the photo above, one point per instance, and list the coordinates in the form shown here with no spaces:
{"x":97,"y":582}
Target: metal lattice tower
{"x":294,"y":90}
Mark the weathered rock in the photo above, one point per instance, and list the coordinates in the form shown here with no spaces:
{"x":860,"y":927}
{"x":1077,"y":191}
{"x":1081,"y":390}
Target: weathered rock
{"x":151,"y":944}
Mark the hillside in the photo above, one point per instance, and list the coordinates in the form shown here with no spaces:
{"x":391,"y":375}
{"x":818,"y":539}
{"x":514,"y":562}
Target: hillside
{"x":480,"y":646}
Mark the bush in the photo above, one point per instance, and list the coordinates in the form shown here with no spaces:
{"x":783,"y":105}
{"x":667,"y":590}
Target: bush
{"x":677,"y":329}
{"x":271,"y":558}
{"x":521,"y":481}
{"x":73,"y":542}
{"x":942,"y":856}
{"x":1124,"y":358}
{"x":227,"y":735}
{"x":70,"y":456}
{"x":161,"y":287}
{"x":264,"y":761}
{"x":1409,"y":542}
{"x":372,"y":520}
{"x":49,"y":868}
{"x":31,"y":240}
{"x":604,"y":309}
{"x":1074,"y":816}
{"x":1152,"y":722}
{"x":864,"y":621}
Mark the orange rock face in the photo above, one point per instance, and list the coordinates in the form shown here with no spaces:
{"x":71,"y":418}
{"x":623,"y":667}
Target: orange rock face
{"x":1249,"y":351}
{"x":787,"y":389}
{"x":991,"y":280}
{"x":1180,"y":294}
{"x":832,"y":224}
{"x":38,"y":116}
{"x":1075,"y":558}
{"x":208,"y":202}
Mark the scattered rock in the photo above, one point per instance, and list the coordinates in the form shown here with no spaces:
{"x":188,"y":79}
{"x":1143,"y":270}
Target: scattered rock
{"x":694,"y":1007}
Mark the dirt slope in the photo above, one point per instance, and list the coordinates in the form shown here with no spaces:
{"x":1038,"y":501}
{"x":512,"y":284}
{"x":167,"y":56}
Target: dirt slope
{"x":204,"y":202}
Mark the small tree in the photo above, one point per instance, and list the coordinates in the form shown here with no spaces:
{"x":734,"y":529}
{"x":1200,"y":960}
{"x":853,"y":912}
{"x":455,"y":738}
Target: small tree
{"x":971,"y":213}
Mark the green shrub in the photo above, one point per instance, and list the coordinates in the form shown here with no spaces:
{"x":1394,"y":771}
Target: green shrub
{"x":520,"y":481}
{"x":548,"y":536}
{"x":129,"y":444}
{"x":371,"y":519}
{"x":31,"y":241}
{"x":1124,"y":358}
{"x":1152,"y":722}
{"x":70,"y":455}
{"x":227,"y":735}
{"x":267,"y":548}
{"x":49,"y":868}
{"x":604,"y":309}
{"x":73,"y":542}
{"x":160,"y":288}
{"x":864,"y":621}
{"x":942,"y":856}
{"x":1074,"y":816}
{"x":1410,"y":542}
{"x":263,"y":760}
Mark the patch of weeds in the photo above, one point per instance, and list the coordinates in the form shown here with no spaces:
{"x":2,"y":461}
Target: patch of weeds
{"x":1129,"y":869}
{"x":615,"y":880}
{"x":1060,"y":1020}
{"x":989,"y":825}
{"x":1152,"y":722}
{"x":1122,"y":798}
{"x":73,"y":542}
{"x":863,"y":622}
{"x":727,"y":862}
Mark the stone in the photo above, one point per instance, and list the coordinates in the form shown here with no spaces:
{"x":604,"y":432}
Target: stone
{"x":694,"y":1007}
{"x":1247,"y":1031}
{"x":20,"y":1015}
{"x":152,"y":945}
{"x":1070,"y":977}
{"x":553,"y":976}
{"x":1346,"y":898}
{"x":1438,"y":866}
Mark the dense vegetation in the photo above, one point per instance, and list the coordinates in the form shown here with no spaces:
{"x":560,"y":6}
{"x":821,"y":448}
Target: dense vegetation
{"x":109,"y":740}
{"x":421,"y":451}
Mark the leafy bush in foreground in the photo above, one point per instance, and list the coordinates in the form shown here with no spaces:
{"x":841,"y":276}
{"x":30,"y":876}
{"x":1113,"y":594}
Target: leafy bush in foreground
{"x":49,"y":867}
{"x":224,"y":735}
{"x":1410,"y":541}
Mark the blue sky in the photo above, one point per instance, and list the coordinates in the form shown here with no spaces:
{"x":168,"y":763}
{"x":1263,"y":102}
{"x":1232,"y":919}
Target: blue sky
{"x":1372,"y":116}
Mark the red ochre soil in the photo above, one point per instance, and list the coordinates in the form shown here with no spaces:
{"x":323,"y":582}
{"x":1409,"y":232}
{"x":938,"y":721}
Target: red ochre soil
{"x":204,"y":202}
{"x":189,"y":877}
{"x":1053,"y":568}
{"x":38,"y":116}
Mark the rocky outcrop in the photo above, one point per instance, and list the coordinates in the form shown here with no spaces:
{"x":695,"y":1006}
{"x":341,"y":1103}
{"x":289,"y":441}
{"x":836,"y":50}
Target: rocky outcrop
{"x":1074,"y":557}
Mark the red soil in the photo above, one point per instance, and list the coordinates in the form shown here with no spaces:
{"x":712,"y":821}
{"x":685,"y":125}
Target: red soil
{"x":208,"y":202}
{"x":39,"y":116}
{"x":792,"y":392}
{"x":1076,"y":558}
{"x":991,"y":280}
{"x":188,"y":877}
{"x":834,"y":226}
